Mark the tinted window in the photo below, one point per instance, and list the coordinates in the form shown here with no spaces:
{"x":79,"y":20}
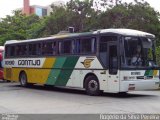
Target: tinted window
{"x":49,"y":48}
{"x":21,"y":50}
{"x":113,"y":59}
{"x":35,"y":49}
{"x":65,"y":47}
{"x":10,"y":51}
{"x":87,"y":45}
{"x":103,"y":53}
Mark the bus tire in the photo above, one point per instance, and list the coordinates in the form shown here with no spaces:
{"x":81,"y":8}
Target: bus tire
{"x":122,"y":93}
{"x":92,"y":86}
{"x":23,"y":79}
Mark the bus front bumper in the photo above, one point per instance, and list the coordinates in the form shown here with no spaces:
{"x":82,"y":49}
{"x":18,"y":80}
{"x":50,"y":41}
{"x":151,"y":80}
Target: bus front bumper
{"x":129,"y":85}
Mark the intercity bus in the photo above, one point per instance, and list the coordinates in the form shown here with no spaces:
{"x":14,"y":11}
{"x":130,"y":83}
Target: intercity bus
{"x":102,"y":60}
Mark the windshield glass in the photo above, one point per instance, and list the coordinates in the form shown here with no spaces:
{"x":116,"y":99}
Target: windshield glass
{"x":139,"y":52}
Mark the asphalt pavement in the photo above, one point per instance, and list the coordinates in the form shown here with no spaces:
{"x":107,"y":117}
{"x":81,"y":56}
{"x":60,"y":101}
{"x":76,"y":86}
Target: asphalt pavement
{"x":50,"y":100}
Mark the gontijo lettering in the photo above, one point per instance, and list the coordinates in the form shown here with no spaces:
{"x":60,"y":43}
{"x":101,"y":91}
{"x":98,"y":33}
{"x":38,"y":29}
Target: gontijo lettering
{"x":29,"y":62}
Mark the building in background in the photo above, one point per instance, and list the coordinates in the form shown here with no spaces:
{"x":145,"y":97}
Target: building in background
{"x":35,"y":9}
{"x":39,"y":10}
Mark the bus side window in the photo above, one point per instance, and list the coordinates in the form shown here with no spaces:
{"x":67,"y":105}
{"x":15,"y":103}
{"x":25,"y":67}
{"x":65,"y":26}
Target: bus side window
{"x":59,"y":47}
{"x":44,"y":48}
{"x":103,"y":53}
{"x":7,"y":49}
{"x":77,"y":46}
{"x":12,"y":51}
{"x":73,"y":47}
{"x":32,"y":49}
{"x":38,"y":51}
{"x":47,"y":48}
{"x":87,"y":45}
{"x":113,"y":60}
{"x":18,"y":50}
{"x":93,"y":47}
{"x":65,"y":47}
{"x":54,"y":48}
{"x":22,"y":50}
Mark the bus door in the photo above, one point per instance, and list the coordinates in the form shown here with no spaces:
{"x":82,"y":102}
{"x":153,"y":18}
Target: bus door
{"x":113,"y":74}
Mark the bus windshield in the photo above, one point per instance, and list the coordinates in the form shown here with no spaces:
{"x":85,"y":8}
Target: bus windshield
{"x":139,"y":52}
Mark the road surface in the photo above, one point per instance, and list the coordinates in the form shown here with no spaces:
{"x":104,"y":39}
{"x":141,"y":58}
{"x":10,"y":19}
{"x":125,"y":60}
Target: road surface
{"x":39,"y":99}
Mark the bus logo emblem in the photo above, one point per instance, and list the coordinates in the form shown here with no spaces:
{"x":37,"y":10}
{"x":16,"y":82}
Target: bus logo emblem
{"x":87,"y":63}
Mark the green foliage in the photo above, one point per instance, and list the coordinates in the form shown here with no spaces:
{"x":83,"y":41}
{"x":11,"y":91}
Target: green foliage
{"x":84,"y":16}
{"x":18,"y":27}
{"x":57,"y":21}
{"x":158,"y":55}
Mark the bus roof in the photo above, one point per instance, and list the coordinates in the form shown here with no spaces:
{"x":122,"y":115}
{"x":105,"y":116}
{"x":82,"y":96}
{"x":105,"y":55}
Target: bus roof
{"x":126,"y":32}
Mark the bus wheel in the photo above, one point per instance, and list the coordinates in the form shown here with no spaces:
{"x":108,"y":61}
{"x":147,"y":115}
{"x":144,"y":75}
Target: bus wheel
{"x":92,"y":86}
{"x":23,"y":79}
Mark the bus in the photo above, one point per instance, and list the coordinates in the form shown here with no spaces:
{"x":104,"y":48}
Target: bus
{"x":96,"y":61}
{"x":1,"y":62}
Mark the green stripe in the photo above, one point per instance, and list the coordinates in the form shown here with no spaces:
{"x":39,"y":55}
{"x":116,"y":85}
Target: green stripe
{"x":63,"y":69}
{"x":151,"y":73}
{"x":59,"y":62}
{"x":147,"y":73}
{"x":65,"y":74}
{"x":55,"y":72}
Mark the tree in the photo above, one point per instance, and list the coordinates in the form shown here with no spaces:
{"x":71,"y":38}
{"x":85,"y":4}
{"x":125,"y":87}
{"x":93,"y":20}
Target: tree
{"x":81,"y":14}
{"x":17,"y":27}
{"x":77,"y":14}
{"x":57,"y":21}
{"x":140,"y":16}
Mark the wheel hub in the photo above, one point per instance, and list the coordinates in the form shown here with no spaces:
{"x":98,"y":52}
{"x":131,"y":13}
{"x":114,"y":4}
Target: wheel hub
{"x":23,"y":79}
{"x":93,"y":85}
